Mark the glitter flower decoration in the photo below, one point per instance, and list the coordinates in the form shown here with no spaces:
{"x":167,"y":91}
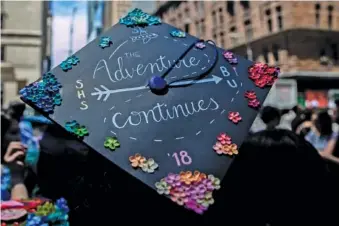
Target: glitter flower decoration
{"x":105,"y":42}
{"x":111,"y":143}
{"x":162,"y":187}
{"x":225,"y":146}
{"x":178,"y":34}
{"x":149,"y":166}
{"x":146,"y":165}
{"x":200,"y":45}
{"x":137,"y":160}
{"x":262,"y":75}
{"x":254,"y":103}
{"x":69,"y":63}
{"x":5,"y":178}
{"x":44,"y":93}
{"x":45,"y":209}
{"x":139,"y":18}
{"x":191,"y":190}
{"x":250,"y":95}
{"x":234,"y":117}
{"x":34,"y":220}
{"x":223,"y":138}
{"x":230,"y":57}
{"x":75,"y":128}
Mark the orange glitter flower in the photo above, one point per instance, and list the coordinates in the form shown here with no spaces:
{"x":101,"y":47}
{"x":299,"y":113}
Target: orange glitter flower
{"x":137,"y":160}
{"x":231,"y":149}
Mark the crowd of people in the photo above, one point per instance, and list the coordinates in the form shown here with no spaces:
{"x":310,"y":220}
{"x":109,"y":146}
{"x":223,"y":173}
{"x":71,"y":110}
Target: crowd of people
{"x":282,"y":175}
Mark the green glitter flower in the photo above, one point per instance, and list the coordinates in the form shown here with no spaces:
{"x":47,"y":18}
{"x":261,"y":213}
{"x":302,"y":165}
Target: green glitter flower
{"x":111,"y":143}
{"x":215,"y":181}
{"x":81,"y":131}
{"x":45,"y":209}
{"x":163,"y":187}
{"x":149,"y":166}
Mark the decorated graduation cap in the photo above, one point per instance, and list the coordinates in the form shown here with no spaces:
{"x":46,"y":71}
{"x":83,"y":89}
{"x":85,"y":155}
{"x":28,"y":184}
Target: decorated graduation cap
{"x":167,"y":107}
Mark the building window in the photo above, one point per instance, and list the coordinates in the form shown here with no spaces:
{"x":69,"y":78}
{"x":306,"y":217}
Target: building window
{"x":269,"y":20}
{"x":245,"y":4}
{"x":248,"y":30}
{"x":203,"y":28}
{"x":335,"y":55}
{"x":222,"y":41}
{"x":230,"y":7}
{"x":2,"y":20}
{"x":21,"y":85}
{"x":2,"y":53}
{"x":234,"y":39}
{"x":187,"y":28}
{"x":198,"y":28}
{"x":214,"y":18}
{"x":265,"y":53}
{"x":179,"y":16}
{"x":172,"y":21}
{"x":221,"y":16}
{"x":276,"y":53}
{"x":279,"y":17}
{"x":317,"y":14}
{"x":187,"y":13}
{"x":330,"y":16}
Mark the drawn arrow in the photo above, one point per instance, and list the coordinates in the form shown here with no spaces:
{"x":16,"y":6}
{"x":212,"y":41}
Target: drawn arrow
{"x":106,"y":92}
{"x":214,"y":79}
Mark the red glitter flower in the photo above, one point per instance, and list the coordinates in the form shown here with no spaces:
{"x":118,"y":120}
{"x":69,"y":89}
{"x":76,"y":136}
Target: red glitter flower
{"x":234,"y":117}
{"x":263,"y":75}
{"x":223,"y":138}
{"x":250,"y":95}
{"x":254,"y":103}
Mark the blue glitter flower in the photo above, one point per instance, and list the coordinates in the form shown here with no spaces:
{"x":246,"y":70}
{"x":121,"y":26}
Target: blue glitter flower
{"x":75,"y":128}
{"x":178,"y":34}
{"x":69,"y":62}
{"x":5,"y":178}
{"x":105,"y":42}
{"x":139,"y":18}
{"x":34,"y":220}
{"x":62,"y":205}
{"x":45,"y":93}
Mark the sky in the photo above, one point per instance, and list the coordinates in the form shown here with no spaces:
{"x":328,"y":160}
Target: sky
{"x":62,"y":14}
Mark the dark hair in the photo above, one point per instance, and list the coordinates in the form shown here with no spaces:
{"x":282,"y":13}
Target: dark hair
{"x":336,"y":102}
{"x":323,"y":123}
{"x":268,"y":114}
{"x":276,"y":170}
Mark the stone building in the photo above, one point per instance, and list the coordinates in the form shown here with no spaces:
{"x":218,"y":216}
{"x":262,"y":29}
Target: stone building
{"x":295,"y":35}
{"x":23,"y":44}
{"x":113,"y":10}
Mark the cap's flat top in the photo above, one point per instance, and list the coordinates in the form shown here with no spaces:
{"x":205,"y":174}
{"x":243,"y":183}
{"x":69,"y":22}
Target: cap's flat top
{"x":107,"y":93}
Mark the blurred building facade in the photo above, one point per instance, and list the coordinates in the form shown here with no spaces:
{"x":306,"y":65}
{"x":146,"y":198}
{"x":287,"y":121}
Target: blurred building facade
{"x":301,"y":37}
{"x":114,"y":10}
{"x":23,"y":44}
{"x":296,"y":35}
{"x":95,"y":17}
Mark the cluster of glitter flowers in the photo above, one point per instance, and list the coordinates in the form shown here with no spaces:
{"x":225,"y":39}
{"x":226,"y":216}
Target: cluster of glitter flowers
{"x":44,"y":93}
{"x":105,"y":42}
{"x":230,"y":57}
{"x":49,"y":214}
{"x":146,"y":165}
{"x":75,"y":128}
{"x":139,"y":18}
{"x":192,"y":190}
{"x":69,"y":63}
{"x":178,"y":34}
{"x":5,"y":178}
{"x":224,"y":145}
{"x":234,"y":117}
{"x":263,"y":75}
{"x":111,"y":143}
{"x":251,"y":97}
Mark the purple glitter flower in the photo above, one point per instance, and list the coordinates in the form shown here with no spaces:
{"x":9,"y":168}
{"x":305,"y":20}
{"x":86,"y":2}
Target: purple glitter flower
{"x":229,"y":56}
{"x":200,"y":45}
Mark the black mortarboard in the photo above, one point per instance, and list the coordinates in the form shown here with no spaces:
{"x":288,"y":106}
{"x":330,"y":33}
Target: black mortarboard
{"x":166,"y":107}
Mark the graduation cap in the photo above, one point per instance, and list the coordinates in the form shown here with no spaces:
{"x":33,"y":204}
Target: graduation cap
{"x":165,"y":106}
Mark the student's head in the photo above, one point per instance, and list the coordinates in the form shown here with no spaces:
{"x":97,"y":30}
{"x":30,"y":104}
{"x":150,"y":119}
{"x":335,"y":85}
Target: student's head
{"x":323,"y":123}
{"x":270,"y":116}
{"x":277,"y":170}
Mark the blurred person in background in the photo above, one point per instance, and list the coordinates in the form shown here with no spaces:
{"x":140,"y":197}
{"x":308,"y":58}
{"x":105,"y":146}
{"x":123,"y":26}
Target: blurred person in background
{"x":321,"y":134}
{"x":271,"y":116}
{"x":305,"y":127}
